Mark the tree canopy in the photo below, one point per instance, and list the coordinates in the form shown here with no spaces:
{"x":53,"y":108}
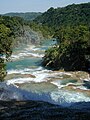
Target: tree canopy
{"x":70,"y":52}
{"x":74,"y":14}
{"x":9,"y":28}
{"x":71,"y":28}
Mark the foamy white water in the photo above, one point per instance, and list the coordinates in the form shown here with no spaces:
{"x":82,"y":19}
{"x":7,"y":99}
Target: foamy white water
{"x":26,"y":62}
{"x":59,"y":97}
{"x":22,"y":55}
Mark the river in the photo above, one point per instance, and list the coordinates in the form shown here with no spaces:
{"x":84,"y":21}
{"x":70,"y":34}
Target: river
{"x":27,"y":80}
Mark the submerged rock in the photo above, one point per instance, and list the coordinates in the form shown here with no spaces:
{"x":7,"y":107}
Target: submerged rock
{"x":17,"y":75}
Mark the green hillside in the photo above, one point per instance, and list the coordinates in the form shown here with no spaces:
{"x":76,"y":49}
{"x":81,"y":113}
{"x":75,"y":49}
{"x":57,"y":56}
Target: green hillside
{"x":71,"y":26}
{"x":10,"y":27}
{"x":69,"y":15}
{"x":26,"y":16}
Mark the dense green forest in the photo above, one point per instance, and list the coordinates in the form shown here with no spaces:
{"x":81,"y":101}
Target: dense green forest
{"x":74,"y":14}
{"x":10,"y":27}
{"x":71,"y":26}
{"x":28,"y":16}
{"x":73,"y":45}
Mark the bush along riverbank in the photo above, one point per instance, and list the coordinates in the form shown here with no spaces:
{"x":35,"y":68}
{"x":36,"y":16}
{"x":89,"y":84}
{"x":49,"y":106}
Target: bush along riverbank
{"x":71,"y":49}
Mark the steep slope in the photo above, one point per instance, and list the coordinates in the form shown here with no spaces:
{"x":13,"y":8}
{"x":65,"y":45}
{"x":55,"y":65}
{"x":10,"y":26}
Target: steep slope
{"x":69,"y":15}
{"x":71,"y":25}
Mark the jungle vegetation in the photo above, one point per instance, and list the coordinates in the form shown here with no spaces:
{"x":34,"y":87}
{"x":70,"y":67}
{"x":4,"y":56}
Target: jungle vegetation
{"x":10,"y":27}
{"x":71,"y":28}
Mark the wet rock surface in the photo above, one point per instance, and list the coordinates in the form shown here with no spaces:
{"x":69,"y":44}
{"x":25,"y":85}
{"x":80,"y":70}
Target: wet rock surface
{"x":37,"y":110}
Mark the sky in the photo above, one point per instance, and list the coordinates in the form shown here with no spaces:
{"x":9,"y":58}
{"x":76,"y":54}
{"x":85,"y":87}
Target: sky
{"x":34,"y":5}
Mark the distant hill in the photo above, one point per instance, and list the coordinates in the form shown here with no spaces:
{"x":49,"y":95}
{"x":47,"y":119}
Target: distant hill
{"x":74,"y":14}
{"x":28,"y":16}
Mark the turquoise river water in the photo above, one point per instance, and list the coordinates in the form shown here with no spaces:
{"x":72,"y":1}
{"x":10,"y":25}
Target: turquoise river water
{"x":28,"y":80}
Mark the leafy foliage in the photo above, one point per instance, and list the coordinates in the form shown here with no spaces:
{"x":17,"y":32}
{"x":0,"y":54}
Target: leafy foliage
{"x":71,"y":26}
{"x":5,"y":40}
{"x":5,"y":49}
{"x":66,"y":16}
{"x":9,"y":28}
{"x":70,"y":52}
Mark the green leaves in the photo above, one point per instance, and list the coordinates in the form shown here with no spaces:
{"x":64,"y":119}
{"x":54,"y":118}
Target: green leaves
{"x":5,"y":40}
{"x":71,"y":15}
{"x":2,"y":69}
{"x":69,"y":54}
{"x":9,"y":28}
{"x":5,"y":48}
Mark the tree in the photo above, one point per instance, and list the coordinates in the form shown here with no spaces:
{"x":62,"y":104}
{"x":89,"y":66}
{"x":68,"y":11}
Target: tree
{"x":71,"y":49}
{"x":5,"y":48}
{"x":5,"y":40}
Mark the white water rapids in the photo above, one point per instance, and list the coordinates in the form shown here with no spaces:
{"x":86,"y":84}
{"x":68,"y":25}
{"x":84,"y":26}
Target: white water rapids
{"x":28,"y":80}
